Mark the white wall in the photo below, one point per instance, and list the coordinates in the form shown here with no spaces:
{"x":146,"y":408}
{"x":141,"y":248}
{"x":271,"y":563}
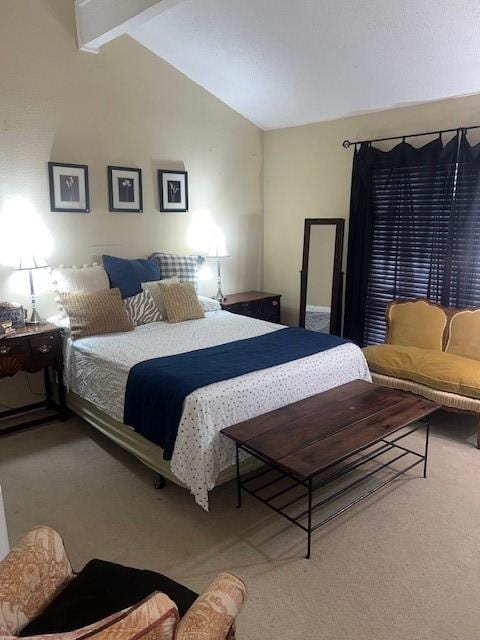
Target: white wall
{"x":125,"y":107}
{"x":308,"y":174}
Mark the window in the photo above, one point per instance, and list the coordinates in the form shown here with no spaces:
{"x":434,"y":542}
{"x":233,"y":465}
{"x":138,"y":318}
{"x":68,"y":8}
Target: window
{"x":425,"y":232}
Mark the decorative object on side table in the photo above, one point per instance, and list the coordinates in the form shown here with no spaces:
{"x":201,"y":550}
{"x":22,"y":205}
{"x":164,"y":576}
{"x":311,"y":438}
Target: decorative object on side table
{"x":125,"y":190}
{"x":6,"y":328}
{"x":68,"y":188}
{"x":32,"y":349}
{"x":255,"y":304}
{"x":173,"y":190}
{"x":219,"y":252}
{"x":13,"y":313}
{"x":30,"y":263}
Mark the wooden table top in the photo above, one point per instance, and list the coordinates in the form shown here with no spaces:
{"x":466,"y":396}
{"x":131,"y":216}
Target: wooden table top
{"x":249,"y":296}
{"x":308,"y":436}
{"x":32,"y":330}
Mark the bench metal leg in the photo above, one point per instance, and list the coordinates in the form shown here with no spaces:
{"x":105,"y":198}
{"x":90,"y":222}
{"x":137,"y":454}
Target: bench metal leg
{"x":309,"y":526}
{"x":332,"y":475}
{"x":427,"y":437}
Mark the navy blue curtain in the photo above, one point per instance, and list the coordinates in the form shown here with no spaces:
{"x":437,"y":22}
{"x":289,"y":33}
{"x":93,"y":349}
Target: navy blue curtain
{"x":414,"y":231}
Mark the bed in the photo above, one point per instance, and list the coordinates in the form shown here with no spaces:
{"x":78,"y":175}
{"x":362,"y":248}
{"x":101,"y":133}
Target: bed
{"x":97,"y":369}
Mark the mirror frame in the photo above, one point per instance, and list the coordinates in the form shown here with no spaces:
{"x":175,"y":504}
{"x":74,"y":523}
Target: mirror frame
{"x":337,"y":279}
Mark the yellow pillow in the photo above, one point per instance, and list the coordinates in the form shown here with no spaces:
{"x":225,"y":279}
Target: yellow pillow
{"x":181,"y":302}
{"x":418,"y":323}
{"x":92,"y":314}
{"x":464,"y":339}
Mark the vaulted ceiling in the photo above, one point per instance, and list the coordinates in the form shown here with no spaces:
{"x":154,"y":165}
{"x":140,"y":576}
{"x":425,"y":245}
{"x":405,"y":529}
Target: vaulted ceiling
{"x":290,"y":62}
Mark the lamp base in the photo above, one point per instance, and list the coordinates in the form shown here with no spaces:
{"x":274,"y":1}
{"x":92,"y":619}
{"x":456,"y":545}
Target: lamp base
{"x":35,"y":319}
{"x":219,"y":297}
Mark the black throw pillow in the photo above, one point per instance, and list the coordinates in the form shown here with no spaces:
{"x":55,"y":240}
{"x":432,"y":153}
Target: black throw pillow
{"x":100,"y":589}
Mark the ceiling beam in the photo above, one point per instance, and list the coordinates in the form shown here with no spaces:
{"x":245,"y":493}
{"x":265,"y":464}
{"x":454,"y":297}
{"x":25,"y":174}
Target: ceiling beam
{"x":100,"y":21}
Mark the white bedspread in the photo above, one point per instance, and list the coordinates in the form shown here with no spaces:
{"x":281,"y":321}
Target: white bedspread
{"x":97,"y":369}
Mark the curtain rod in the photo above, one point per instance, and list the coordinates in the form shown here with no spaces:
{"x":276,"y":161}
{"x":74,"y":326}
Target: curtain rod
{"x":346,"y":143}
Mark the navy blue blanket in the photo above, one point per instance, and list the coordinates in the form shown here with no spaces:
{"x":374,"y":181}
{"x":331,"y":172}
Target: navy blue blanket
{"x":157,"y":388}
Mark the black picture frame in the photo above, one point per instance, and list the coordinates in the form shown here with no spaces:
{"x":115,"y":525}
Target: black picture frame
{"x":167,"y":179}
{"x":73,"y":178}
{"x":132,"y":203}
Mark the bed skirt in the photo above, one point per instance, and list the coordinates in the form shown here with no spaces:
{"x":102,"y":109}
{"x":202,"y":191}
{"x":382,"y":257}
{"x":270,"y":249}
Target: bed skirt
{"x":148,"y":453}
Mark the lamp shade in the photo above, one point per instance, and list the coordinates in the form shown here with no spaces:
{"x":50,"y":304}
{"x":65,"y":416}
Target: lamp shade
{"x":31,"y":261}
{"x":219,"y":251}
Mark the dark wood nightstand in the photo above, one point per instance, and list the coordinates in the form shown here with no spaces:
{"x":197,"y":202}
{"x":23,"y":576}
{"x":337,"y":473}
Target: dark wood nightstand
{"x":256,"y":304}
{"x":33,"y":349}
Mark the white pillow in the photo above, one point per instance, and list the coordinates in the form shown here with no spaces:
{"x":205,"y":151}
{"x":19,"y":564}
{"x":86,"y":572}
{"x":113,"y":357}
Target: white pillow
{"x":61,"y":320}
{"x":141,"y":308}
{"x":209,"y":304}
{"x":85,"y":280}
{"x":156,"y":292}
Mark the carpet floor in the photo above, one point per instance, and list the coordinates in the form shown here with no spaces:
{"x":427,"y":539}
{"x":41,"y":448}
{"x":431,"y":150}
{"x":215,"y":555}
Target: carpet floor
{"x":403,"y":565}
{"x":317,"y":321}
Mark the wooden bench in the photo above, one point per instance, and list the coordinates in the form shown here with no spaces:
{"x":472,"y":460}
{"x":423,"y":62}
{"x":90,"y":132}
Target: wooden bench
{"x":315,"y":442}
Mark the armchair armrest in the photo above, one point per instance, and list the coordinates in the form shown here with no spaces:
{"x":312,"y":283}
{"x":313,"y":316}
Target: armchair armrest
{"x":4,"y":546}
{"x":31,"y":575}
{"x":212,"y":615}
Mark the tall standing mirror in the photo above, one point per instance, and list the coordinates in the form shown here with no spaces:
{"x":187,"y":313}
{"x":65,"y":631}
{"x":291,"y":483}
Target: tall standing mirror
{"x":321,"y":277}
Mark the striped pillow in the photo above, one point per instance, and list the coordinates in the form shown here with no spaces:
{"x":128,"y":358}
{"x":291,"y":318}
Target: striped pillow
{"x":181,"y":302}
{"x":92,"y":314}
{"x":156,"y":293}
{"x":141,"y":309}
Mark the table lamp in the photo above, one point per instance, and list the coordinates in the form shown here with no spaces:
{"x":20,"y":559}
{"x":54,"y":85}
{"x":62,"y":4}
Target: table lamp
{"x":31,"y":262}
{"x":219,"y":251}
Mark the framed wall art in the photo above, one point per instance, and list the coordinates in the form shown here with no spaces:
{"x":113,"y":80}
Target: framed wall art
{"x":68,"y":188}
{"x":173,"y":190}
{"x":125,"y":189}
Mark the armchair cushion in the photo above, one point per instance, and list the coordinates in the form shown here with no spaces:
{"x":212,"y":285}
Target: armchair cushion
{"x":31,"y":575}
{"x":152,"y":619}
{"x":101,"y":589}
{"x":77,"y":634}
{"x":213,"y":613}
{"x":432,"y":368}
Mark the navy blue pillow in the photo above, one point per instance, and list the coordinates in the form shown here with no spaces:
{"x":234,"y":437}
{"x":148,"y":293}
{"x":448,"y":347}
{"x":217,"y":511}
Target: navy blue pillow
{"x":128,"y":275}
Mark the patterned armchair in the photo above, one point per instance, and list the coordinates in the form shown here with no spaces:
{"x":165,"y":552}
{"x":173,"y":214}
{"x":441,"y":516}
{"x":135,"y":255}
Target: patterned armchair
{"x":4,"y":547}
{"x":36,"y":572}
